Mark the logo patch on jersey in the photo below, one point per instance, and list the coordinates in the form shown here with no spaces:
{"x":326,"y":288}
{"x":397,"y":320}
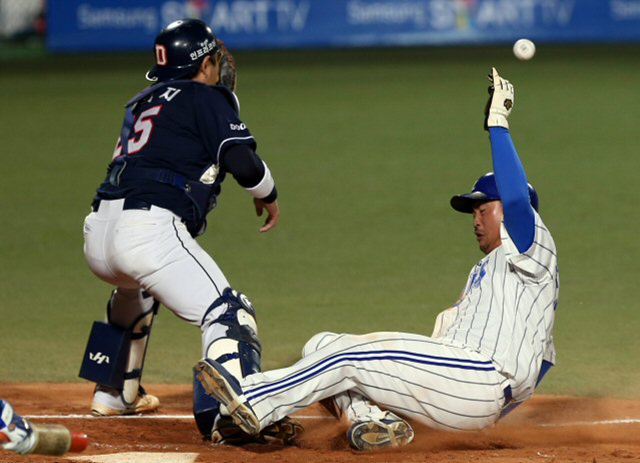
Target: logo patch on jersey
{"x":240,"y":126}
{"x":478,"y":275}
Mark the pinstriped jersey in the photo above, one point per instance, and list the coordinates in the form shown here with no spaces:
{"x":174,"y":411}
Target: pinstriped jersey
{"x":507,"y":309}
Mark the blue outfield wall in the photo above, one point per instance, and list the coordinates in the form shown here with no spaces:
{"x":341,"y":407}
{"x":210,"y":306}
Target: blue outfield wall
{"x":77,"y":25}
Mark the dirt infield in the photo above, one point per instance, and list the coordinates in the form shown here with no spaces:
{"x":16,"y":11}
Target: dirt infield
{"x":546,"y":429}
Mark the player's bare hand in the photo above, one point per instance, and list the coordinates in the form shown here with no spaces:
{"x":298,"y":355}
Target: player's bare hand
{"x":273,"y":212}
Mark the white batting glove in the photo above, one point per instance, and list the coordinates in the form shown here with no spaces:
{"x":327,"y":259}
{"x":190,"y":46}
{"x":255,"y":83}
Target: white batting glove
{"x":501,"y":98}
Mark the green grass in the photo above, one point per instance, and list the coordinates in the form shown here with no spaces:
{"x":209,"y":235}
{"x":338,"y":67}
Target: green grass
{"x":366,"y":147}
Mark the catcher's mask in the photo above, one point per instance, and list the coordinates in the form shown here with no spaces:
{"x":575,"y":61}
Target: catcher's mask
{"x":485,"y":189}
{"x":180,"y":48}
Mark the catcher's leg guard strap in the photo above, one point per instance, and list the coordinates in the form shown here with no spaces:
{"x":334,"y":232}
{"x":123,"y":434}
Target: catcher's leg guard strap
{"x":140,"y":331}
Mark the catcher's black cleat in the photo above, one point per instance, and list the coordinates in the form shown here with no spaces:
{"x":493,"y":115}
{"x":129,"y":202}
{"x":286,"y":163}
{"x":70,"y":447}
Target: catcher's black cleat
{"x":283,"y":433}
{"x":226,"y":432}
{"x":219,"y":383}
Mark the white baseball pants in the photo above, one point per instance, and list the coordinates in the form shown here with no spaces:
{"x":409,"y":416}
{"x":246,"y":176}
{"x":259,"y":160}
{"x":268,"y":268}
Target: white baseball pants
{"x":152,"y":250}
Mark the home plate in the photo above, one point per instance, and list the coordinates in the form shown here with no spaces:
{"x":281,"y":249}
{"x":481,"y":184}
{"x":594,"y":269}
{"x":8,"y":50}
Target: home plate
{"x":139,"y":457}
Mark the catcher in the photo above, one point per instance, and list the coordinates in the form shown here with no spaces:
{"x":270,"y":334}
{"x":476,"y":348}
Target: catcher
{"x":180,"y":138}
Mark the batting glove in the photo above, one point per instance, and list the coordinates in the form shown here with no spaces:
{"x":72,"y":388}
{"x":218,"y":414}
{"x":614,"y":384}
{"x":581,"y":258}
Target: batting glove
{"x":501,"y":97}
{"x":16,"y":433}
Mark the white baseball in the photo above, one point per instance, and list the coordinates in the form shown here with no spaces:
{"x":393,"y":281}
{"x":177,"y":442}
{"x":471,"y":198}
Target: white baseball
{"x":524,"y":49}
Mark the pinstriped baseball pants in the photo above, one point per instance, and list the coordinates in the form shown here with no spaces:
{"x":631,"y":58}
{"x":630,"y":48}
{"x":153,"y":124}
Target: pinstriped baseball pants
{"x":412,"y":375}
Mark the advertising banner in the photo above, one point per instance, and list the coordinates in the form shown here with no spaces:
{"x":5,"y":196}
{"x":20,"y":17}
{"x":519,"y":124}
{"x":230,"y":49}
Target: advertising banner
{"x":75,"y":25}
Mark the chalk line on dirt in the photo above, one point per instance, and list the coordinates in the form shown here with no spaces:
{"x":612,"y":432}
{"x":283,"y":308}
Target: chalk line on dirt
{"x":306,"y":417}
{"x":139,"y":457}
{"x":146,"y":417}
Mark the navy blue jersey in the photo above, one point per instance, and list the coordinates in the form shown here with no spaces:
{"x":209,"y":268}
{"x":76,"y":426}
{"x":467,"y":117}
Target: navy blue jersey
{"x":184,"y":127}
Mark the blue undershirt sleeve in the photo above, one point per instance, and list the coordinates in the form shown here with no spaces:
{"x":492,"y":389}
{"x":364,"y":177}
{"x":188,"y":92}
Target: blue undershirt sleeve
{"x":511,"y":180}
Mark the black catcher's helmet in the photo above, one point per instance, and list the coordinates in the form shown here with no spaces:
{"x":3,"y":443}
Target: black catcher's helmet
{"x":180,"y":48}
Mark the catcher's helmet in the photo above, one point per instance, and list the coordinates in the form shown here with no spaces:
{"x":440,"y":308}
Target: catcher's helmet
{"x":485,"y":189}
{"x":180,"y":48}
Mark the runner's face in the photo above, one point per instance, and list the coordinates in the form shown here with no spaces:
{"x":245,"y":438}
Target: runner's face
{"x":487,"y":217}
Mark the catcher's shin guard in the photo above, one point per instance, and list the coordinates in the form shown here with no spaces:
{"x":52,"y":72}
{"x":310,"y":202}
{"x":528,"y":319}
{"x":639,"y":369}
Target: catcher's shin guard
{"x":116,"y":350}
{"x":231,"y":339}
